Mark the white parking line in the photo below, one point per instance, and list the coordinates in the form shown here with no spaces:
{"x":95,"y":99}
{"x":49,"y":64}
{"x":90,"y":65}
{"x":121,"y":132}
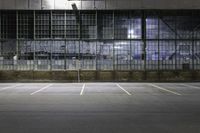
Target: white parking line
{"x":191,"y":86}
{"x":41,"y":89}
{"x":161,"y":88}
{"x":123,"y":89}
{"x":83,"y":87}
{"x":9,"y":87}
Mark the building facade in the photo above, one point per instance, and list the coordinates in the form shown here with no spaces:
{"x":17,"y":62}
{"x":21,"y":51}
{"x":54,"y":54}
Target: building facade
{"x":99,"y":40}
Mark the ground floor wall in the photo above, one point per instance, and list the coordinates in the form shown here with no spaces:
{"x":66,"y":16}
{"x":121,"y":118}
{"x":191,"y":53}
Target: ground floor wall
{"x":99,"y":76}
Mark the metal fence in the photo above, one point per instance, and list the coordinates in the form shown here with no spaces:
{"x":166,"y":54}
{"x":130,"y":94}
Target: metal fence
{"x":99,"y":40}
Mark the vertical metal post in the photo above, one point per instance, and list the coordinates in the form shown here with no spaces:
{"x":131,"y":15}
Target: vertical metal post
{"x":96,"y":39}
{"x":65,"y":56}
{"x":17,"y":45}
{"x":52,"y":42}
{"x":130,"y":52}
{"x":51,"y":21}
{"x":144,"y":39}
{"x":176,"y":42}
{"x":158,"y":48}
{"x":0,"y":26}
{"x":96,"y":26}
{"x":80,"y":25}
{"x":79,"y":64}
{"x":65,"y":32}
{"x":34,"y":40}
{"x":65,"y":25}
{"x":130,"y":58}
{"x":113,"y":40}
{"x":78,"y":71}
{"x":80,"y":35}
{"x":158,"y":44}
{"x":51,"y":46}
{"x":193,"y":42}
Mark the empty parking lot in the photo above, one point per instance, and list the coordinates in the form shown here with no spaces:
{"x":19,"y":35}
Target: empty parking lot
{"x":99,"y":107}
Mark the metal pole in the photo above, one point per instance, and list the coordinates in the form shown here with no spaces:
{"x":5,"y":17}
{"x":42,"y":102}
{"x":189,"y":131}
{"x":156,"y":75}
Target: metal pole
{"x":144,"y":39}
{"x":159,"y":49}
{"x":52,"y":42}
{"x":176,"y":42}
{"x":34,"y":40}
{"x":17,"y":44}
{"x":113,"y":41}
{"x":80,"y":35}
{"x":158,"y":44}
{"x":78,"y":71}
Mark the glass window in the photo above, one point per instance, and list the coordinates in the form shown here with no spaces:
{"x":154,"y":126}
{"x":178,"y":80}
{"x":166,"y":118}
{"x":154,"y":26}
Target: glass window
{"x":72,"y":55}
{"x":25,"y":24}
{"x":184,"y":54}
{"x":105,"y":25}
{"x":8,"y":56}
{"x":105,"y":55}
{"x":152,"y":27}
{"x":43,"y":55}
{"x":137,"y":55}
{"x":167,"y":55}
{"x":122,"y":25}
{"x":42,"y":24}
{"x":89,"y":27}
{"x":167,"y":27}
{"x":88,"y":55}
{"x":152,"y":55}
{"x":58,"y":24}
{"x":72,"y":25}
{"x":135,"y":28}
{"x":122,"y":55}
{"x":58,"y":55}
{"x":196,"y":55}
{"x":8,"y":25}
{"x":196,"y":29}
{"x":184,"y":26}
{"x":26,"y":55}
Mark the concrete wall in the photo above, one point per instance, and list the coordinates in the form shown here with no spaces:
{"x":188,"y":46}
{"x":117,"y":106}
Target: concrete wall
{"x":100,"y":4}
{"x":101,"y":76}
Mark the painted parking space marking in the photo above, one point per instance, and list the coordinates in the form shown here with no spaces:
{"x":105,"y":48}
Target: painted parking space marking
{"x":9,"y":87}
{"x":161,"y":88}
{"x":128,"y":93}
{"x":43,"y":88}
{"x":82,"y":90}
{"x":191,"y":86}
